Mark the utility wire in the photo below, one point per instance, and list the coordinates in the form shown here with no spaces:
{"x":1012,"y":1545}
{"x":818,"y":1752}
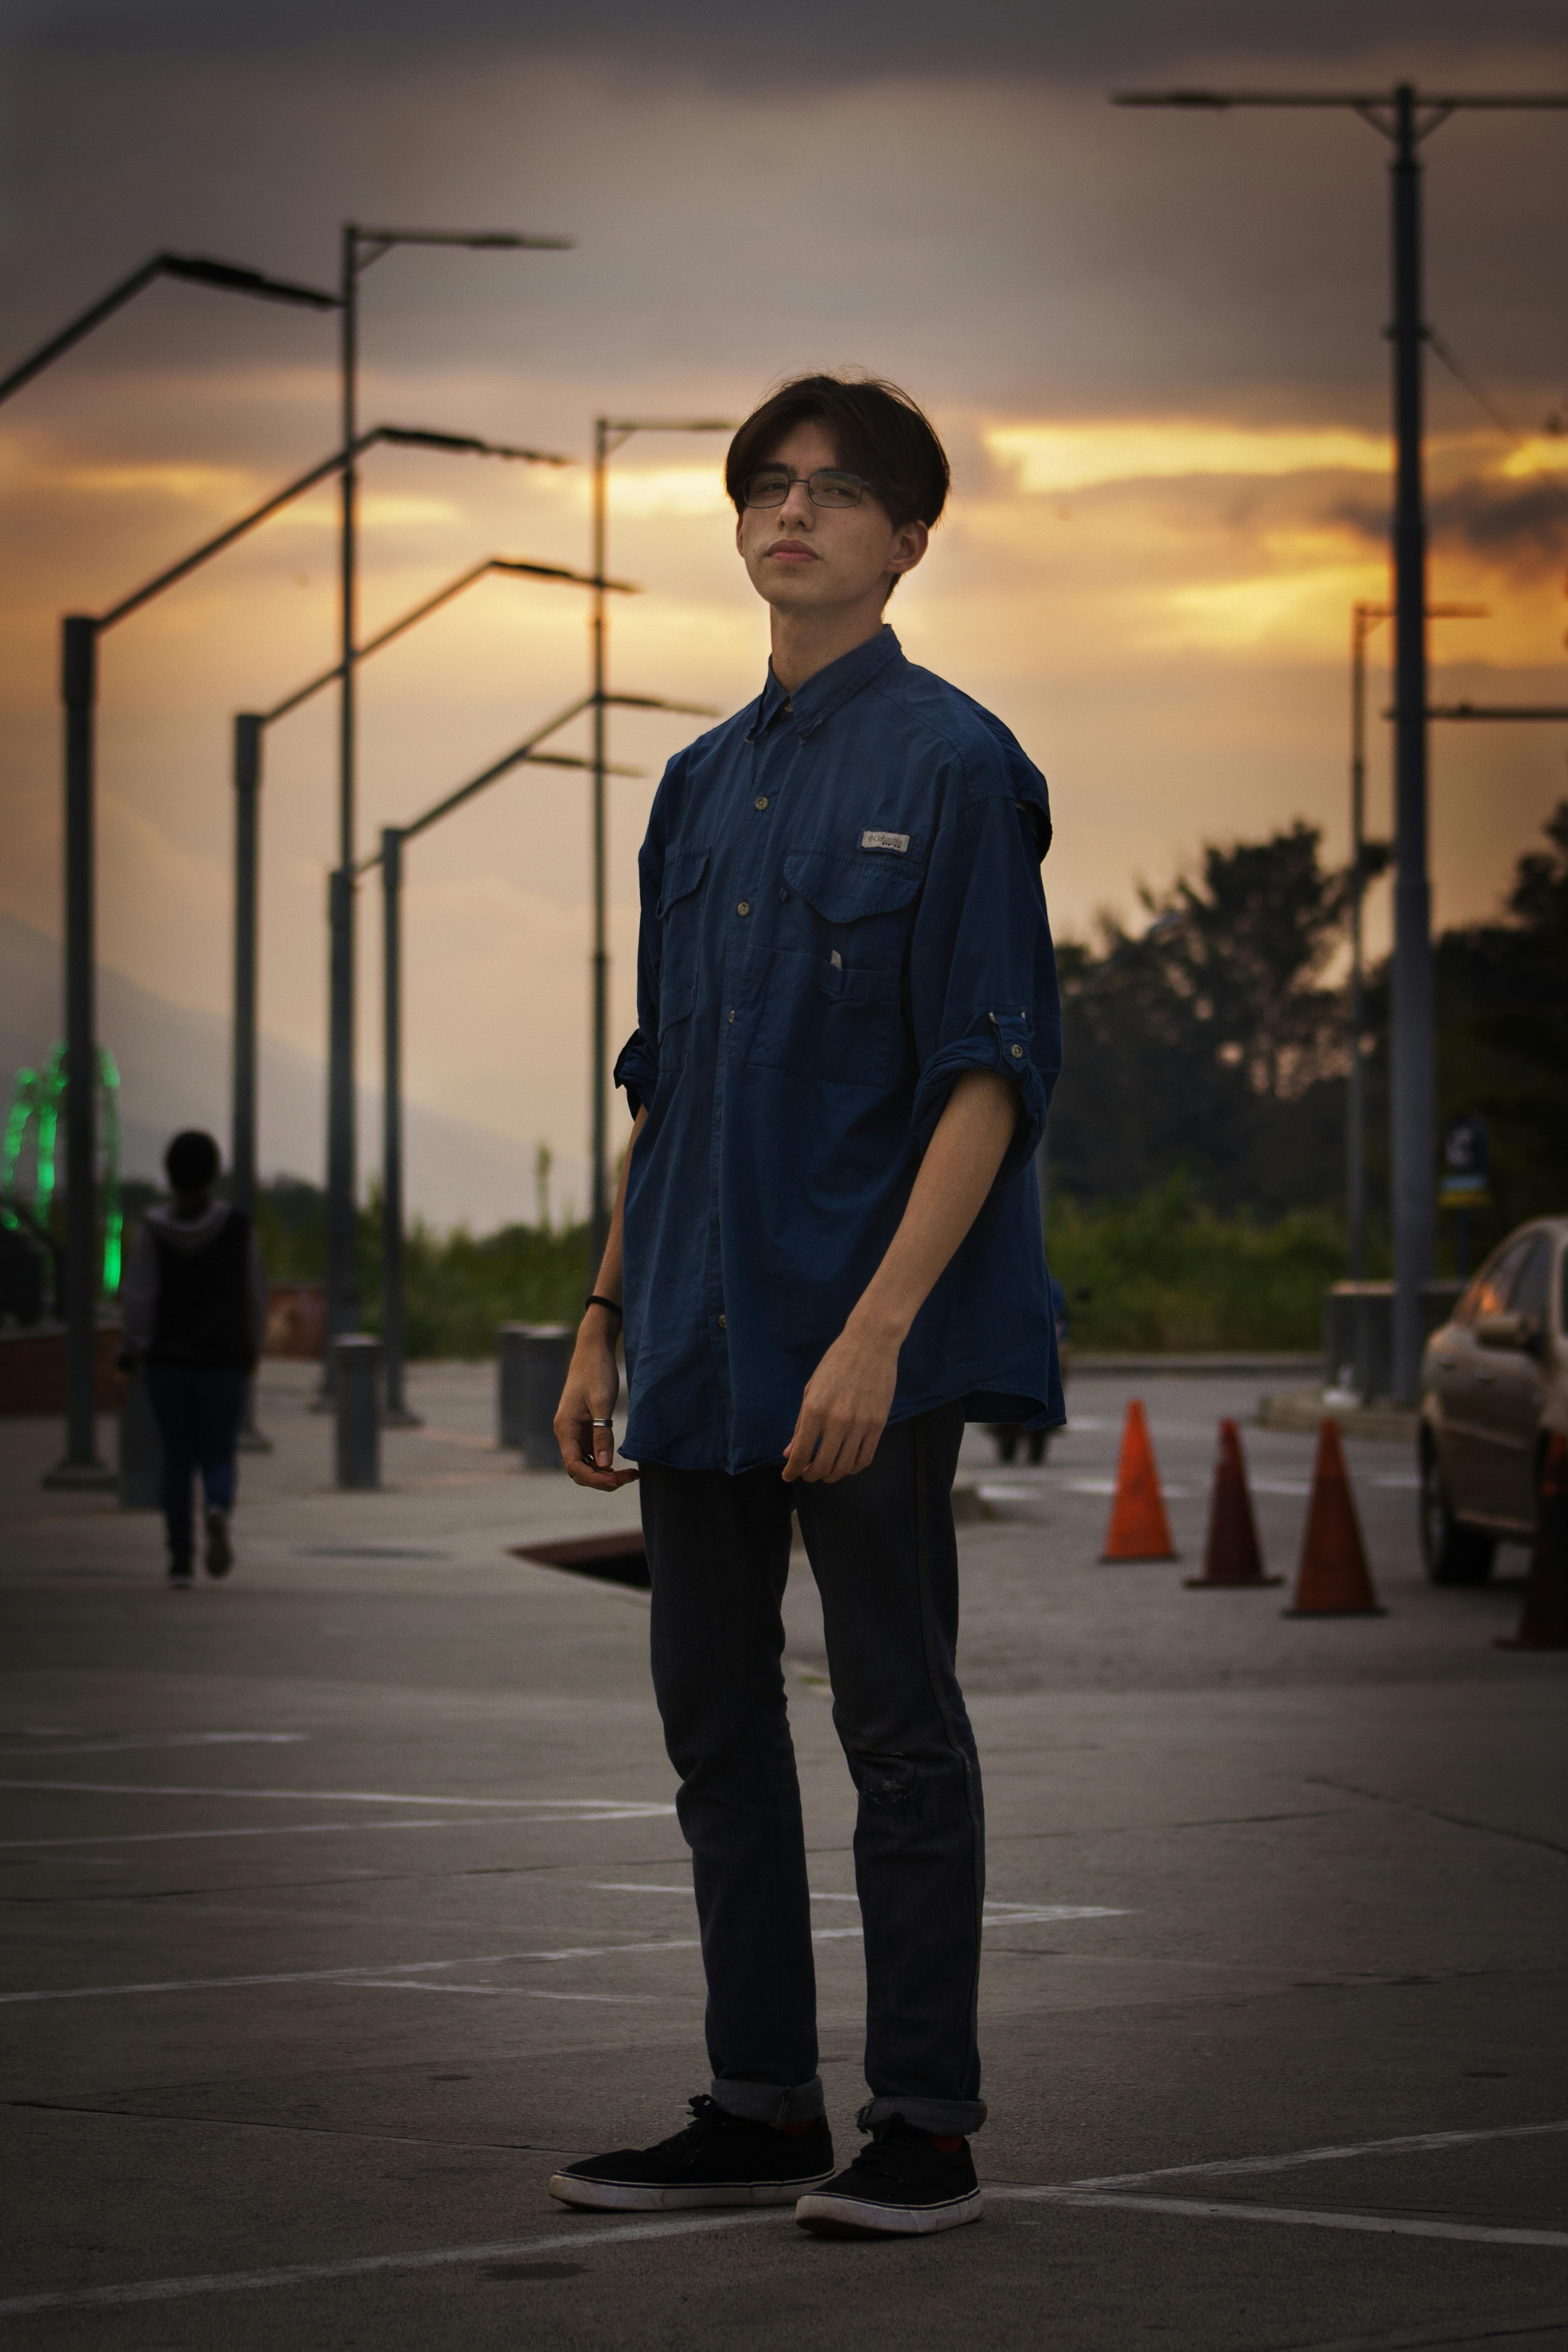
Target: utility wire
{"x":1490,"y":411}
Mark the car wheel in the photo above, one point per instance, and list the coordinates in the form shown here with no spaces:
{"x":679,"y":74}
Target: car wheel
{"x":1453,"y":1553}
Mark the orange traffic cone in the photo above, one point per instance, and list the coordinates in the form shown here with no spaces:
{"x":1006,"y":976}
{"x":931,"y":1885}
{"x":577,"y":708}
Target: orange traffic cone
{"x":1139,"y":1528}
{"x":1333,"y":1579}
{"x":1232,"y":1554}
{"x":1543,"y":1622}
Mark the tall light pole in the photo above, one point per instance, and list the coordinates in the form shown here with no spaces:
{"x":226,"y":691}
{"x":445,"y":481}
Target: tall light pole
{"x":79,"y":634}
{"x":1366,"y":861}
{"x":79,"y":682}
{"x":361,"y":249}
{"x":196,"y":270}
{"x":1405,"y":116}
{"x":390,"y":859}
{"x":609,"y":435}
{"x":250,"y":729}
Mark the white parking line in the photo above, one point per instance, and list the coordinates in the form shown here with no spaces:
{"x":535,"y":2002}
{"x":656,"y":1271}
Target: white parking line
{"x":1083,"y":2193}
{"x":174,"y":2290}
{"x":273,"y":1828}
{"x":1408,"y":2144}
{"x":1306,"y":2218}
{"x":613,"y":1808}
{"x":168,"y":1739}
{"x":502,"y":1992}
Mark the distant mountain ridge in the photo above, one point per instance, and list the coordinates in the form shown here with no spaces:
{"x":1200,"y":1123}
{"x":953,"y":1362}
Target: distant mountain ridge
{"x":174,"y":1069}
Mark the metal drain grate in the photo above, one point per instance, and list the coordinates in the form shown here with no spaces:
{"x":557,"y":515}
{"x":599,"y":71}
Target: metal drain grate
{"x":614,"y":1560}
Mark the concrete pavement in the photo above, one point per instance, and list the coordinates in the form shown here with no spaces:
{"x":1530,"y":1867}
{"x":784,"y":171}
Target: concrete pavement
{"x":346,"y":1898}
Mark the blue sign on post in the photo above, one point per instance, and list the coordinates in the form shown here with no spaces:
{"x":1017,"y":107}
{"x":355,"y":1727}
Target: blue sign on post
{"x":1466,"y":1166}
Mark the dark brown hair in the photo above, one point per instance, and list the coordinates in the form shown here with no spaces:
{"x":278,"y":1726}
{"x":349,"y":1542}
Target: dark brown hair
{"x":877,"y":430}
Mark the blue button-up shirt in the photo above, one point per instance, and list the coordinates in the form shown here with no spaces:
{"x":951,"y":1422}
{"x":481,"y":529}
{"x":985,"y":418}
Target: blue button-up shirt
{"x":841,"y":911}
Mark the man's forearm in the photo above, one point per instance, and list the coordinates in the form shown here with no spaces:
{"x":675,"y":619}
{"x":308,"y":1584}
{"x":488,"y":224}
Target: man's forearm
{"x":607,"y":1283}
{"x":960,"y":1166}
{"x":850,"y":1395}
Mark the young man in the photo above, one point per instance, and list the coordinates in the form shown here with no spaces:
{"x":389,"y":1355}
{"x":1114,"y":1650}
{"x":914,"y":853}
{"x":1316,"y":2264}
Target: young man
{"x":848,"y":1031}
{"x":195,"y":1312}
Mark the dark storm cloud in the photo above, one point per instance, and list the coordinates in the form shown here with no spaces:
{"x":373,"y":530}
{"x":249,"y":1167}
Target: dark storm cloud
{"x":815,"y":41}
{"x":1522,"y":530}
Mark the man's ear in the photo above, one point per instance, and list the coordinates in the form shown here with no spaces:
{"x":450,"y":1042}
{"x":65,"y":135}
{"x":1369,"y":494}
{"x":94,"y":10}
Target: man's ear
{"x":910,"y":544}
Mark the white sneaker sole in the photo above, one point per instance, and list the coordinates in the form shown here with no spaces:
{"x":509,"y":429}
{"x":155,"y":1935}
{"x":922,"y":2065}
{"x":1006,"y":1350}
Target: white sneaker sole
{"x":857,"y":2217}
{"x":636,"y":2197}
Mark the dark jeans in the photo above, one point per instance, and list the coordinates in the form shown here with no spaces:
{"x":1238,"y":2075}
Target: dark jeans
{"x":881,"y":1548}
{"x":198,"y":1411}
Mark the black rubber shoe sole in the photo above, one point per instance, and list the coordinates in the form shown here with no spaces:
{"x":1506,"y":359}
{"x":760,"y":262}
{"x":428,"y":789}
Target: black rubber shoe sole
{"x":646,"y":2196}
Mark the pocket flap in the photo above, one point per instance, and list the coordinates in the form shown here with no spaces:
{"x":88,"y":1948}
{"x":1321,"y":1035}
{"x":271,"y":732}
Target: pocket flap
{"x":845,"y":889}
{"x":675,"y":1002}
{"x":683,"y":872}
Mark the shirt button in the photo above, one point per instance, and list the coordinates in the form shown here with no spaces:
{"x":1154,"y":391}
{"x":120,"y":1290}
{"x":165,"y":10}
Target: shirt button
{"x":723,"y":1323}
{"x":744,"y":907}
{"x":1017,"y":1053}
{"x":732,"y":1013}
{"x":762,"y":801}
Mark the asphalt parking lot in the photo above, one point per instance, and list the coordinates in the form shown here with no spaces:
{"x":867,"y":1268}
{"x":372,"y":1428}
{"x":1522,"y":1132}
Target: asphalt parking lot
{"x":346,"y":1898}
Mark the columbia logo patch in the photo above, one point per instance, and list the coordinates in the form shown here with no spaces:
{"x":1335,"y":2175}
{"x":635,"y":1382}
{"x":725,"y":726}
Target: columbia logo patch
{"x":898,"y":842}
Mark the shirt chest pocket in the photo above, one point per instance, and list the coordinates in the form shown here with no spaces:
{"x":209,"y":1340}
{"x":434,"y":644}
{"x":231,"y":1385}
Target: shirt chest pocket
{"x":680,"y":904}
{"x":830,"y":989}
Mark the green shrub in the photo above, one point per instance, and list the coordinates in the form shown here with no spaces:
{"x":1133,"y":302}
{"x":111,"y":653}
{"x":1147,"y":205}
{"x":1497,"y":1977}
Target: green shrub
{"x":1161,"y":1271}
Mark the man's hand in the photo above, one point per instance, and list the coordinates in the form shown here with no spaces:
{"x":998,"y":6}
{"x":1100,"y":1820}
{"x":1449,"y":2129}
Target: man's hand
{"x":593,"y":1384}
{"x":844,"y":1409}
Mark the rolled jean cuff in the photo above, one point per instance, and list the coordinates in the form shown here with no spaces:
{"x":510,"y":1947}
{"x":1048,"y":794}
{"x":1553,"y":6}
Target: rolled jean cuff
{"x":766,"y":2102}
{"x":947,"y":2117}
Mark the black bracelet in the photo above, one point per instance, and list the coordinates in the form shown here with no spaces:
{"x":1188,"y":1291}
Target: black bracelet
{"x":594,"y":1299}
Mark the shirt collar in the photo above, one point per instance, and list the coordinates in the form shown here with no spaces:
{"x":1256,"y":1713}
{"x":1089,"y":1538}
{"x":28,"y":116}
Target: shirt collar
{"x":827,"y":690}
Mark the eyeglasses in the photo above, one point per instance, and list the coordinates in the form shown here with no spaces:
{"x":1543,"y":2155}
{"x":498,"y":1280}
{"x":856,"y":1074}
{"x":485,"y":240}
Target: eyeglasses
{"x":826,"y":487}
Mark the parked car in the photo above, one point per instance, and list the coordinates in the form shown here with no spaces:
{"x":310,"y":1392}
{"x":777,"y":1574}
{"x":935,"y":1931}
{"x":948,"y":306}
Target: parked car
{"x":1494,"y":1379}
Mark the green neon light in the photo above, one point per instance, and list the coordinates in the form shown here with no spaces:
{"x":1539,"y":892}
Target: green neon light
{"x":113,"y":1219}
{"x":35,"y":1100}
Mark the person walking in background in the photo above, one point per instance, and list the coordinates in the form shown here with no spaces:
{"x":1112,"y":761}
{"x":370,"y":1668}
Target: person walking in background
{"x":194,"y":1304}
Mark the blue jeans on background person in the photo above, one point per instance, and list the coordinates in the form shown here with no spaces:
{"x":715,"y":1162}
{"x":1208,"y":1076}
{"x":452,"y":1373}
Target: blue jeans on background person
{"x":198,"y":1410}
{"x":882,"y":1551}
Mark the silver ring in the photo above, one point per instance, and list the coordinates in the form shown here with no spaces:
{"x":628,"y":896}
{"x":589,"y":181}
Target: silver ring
{"x":601,"y":1425}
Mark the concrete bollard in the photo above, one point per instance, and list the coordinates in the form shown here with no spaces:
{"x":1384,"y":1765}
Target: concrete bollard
{"x":356,"y":1361}
{"x":140,"y":1447}
{"x":531,"y":1360}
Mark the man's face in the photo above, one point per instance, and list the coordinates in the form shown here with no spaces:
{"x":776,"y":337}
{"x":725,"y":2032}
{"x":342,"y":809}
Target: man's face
{"x":804,"y":558}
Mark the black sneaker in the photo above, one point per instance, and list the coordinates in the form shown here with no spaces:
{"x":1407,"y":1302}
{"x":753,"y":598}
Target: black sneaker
{"x":180,"y":1576}
{"x":898,"y":2186}
{"x":220,"y":1550}
{"x":718,"y":2160}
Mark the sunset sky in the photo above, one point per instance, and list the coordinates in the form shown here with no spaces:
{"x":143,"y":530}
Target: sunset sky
{"x":1153,"y":344}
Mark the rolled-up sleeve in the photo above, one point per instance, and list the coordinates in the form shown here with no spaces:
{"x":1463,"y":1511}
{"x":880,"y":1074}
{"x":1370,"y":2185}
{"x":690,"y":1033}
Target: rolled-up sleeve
{"x":636,"y":1071}
{"x":983,"y":975}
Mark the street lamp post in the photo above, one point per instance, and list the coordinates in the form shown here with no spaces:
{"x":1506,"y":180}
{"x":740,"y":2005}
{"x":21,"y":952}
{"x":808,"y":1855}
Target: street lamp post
{"x":249,"y":731}
{"x":361,"y":249}
{"x":192,"y":268}
{"x":609,"y":435}
{"x":1406,"y":117}
{"x":79,"y":688}
{"x":1367,"y":860}
{"x":80,"y":632}
{"x":390,"y":858}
